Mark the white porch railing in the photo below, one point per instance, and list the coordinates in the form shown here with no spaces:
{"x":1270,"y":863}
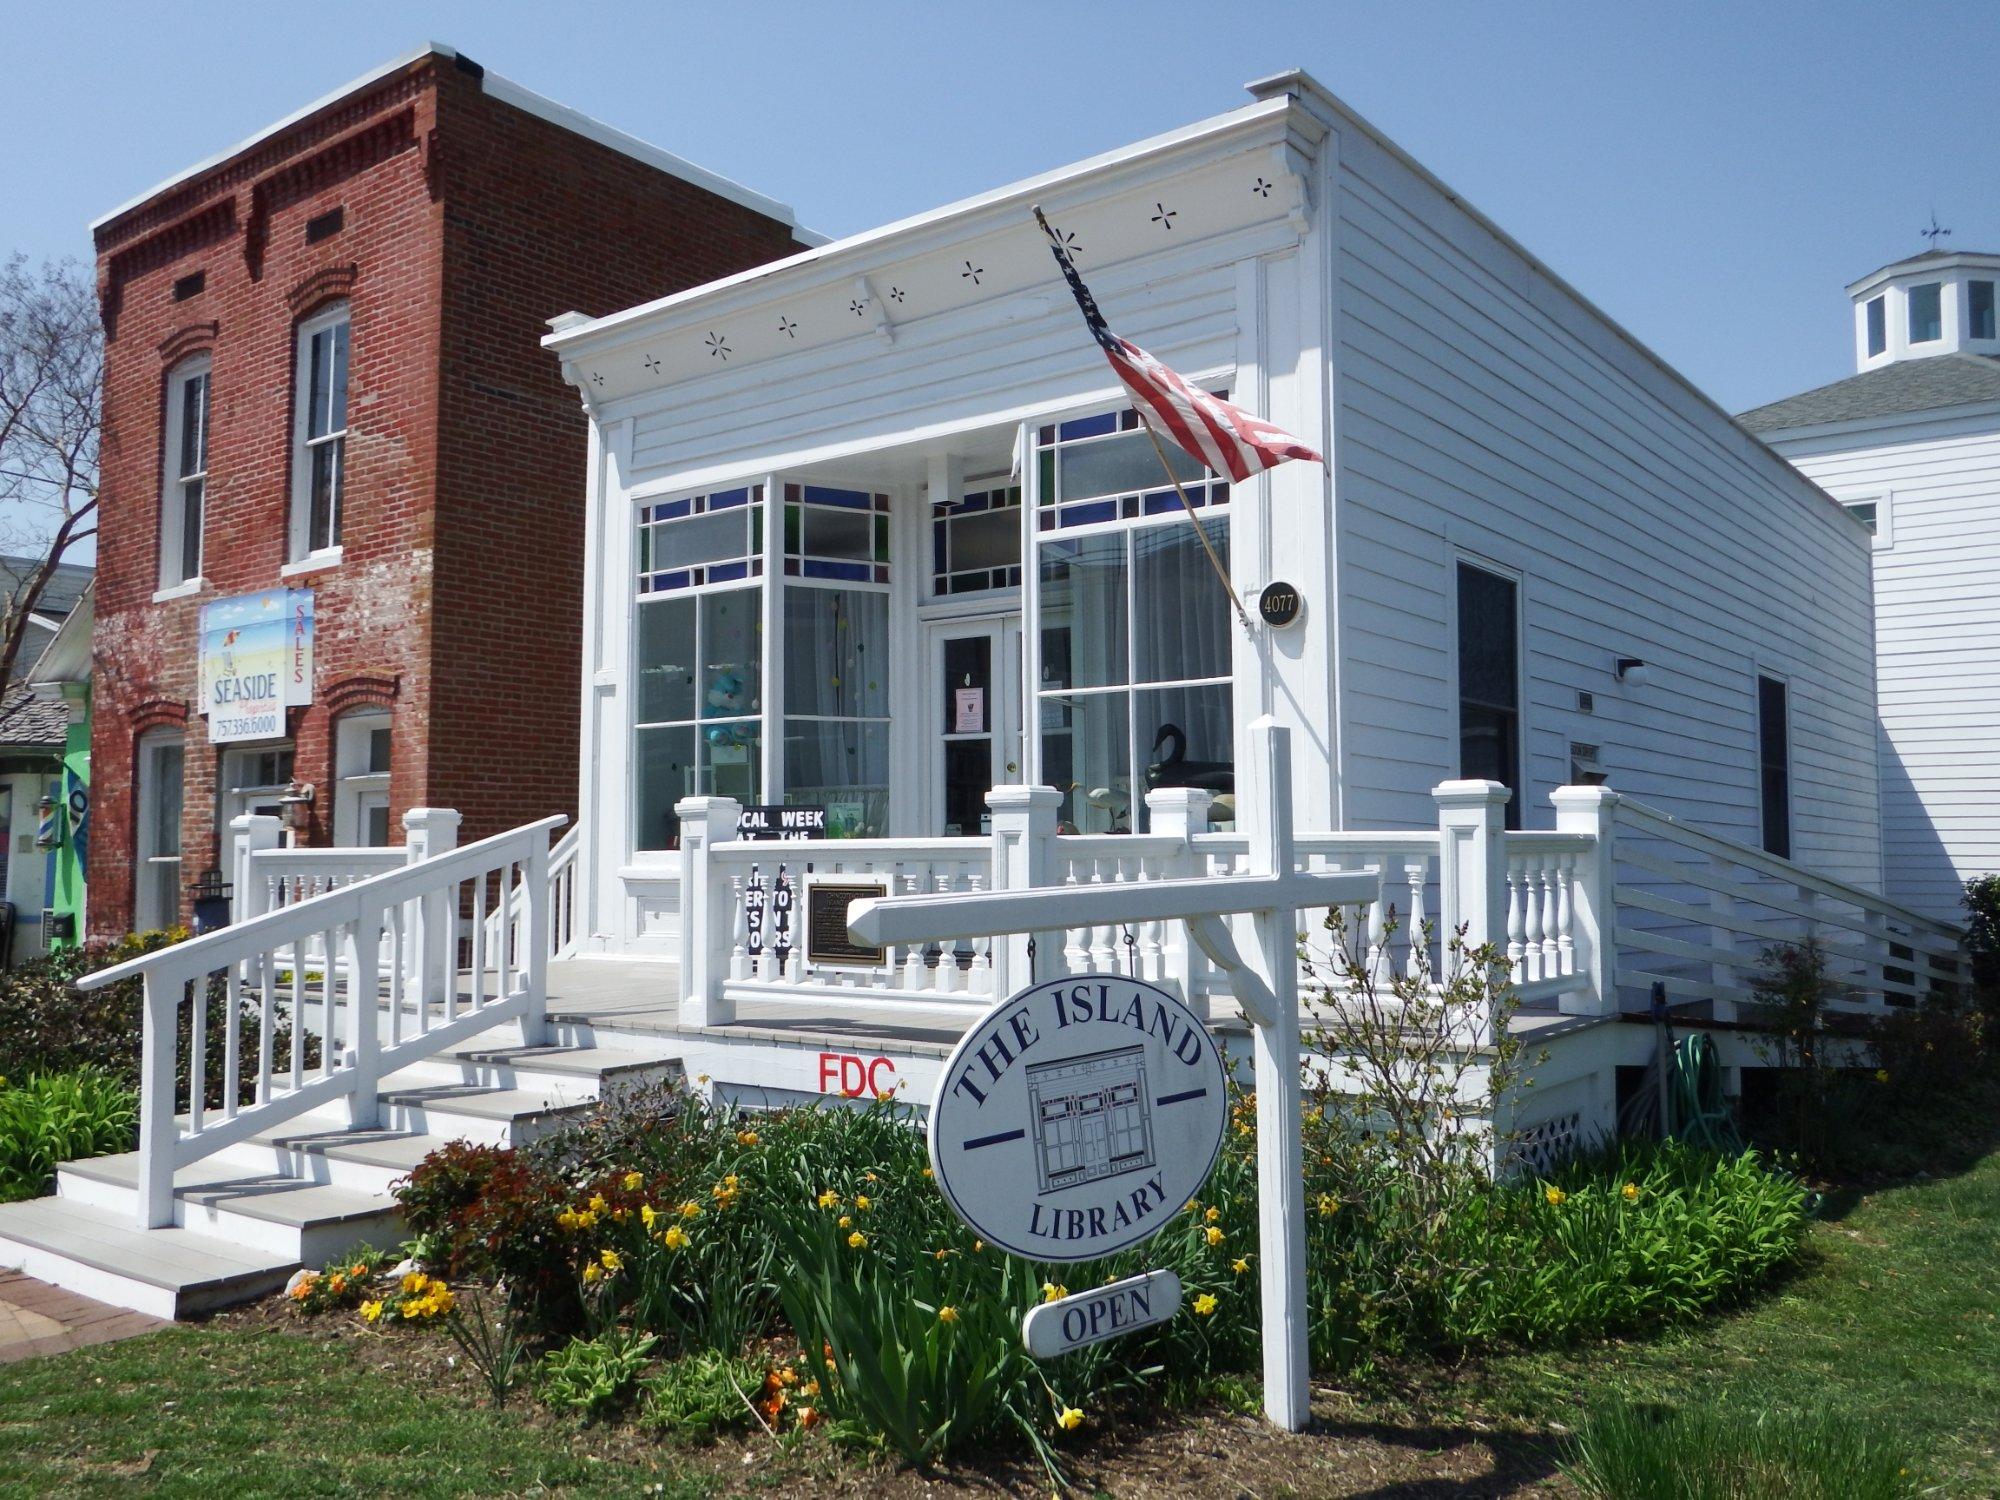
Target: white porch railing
{"x":1699,"y":913}
{"x":562,"y":903}
{"x":1690,"y":908}
{"x":388,"y":995}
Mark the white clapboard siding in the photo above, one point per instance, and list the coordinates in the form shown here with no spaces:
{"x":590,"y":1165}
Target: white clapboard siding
{"x":1936,"y":481}
{"x":1480,"y":407}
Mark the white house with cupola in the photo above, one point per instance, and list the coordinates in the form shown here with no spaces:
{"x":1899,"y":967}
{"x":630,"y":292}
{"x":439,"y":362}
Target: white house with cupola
{"x":1910,"y":445}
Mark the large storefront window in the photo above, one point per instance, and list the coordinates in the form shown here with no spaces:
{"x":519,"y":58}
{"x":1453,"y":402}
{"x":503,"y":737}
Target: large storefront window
{"x":837,"y":706}
{"x":698,"y":702}
{"x":1135,"y":643}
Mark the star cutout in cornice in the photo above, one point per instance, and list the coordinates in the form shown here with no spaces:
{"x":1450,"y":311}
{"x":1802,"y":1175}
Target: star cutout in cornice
{"x":652,"y":364}
{"x":718,"y":347}
{"x":895,"y":294}
{"x":1261,"y":188}
{"x":858,"y":307}
{"x":597,"y":378}
{"x":1165,"y":216}
{"x":972,"y":273}
{"x":788,"y":328}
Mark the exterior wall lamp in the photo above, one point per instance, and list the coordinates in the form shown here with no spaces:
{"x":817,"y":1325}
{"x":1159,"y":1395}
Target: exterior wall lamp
{"x":295,"y":802}
{"x":1634,"y":671}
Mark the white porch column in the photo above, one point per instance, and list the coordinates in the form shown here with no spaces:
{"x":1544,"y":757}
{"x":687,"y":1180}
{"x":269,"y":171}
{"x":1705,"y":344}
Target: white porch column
{"x":1181,"y":812}
{"x":706,"y":909}
{"x":428,"y":832}
{"x":1472,"y":869}
{"x":249,"y":834}
{"x":1590,"y":810}
{"x":1024,"y":831}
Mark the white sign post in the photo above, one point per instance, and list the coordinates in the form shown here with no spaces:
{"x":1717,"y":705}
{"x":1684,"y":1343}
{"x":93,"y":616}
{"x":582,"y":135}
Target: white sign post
{"x":1265,"y":986}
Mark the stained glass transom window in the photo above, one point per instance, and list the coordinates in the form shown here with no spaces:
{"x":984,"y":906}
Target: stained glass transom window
{"x":701,"y":539}
{"x":976,"y":541}
{"x":1104,"y":468}
{"x":836,"y":534}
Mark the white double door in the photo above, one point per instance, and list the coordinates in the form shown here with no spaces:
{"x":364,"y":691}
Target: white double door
{"x":975,"y":713}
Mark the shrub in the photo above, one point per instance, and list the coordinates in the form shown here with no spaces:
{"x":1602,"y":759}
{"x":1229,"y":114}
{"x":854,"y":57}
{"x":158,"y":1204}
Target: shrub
{"x":1982,"y":942}
{"x":489,"y":1212}
{"x":47,"y":1025}
{"x":1624,"y":1452}
{"x":52,"y":1118}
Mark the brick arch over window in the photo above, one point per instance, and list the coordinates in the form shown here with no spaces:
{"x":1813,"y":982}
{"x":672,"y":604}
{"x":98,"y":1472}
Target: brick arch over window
{"x":327,"y":284}
{"x":193,"y":339}
{"x":156,"y":713}
{"x":359,"y":692}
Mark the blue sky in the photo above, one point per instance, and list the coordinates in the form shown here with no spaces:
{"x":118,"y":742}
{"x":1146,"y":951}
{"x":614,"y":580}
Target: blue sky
{"x":1710,"y":174}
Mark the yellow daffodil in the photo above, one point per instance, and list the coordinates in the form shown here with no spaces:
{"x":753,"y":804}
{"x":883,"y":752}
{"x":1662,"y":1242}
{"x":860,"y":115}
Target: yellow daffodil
{"x":929,"y":1173}
{"x":675,"y":1238}
{"x":1556,"y":1197}
{"x":939,"y":1254}
{"x":829,"y":1199}
{"x":857,"y":1241}
{"x":863,"y":1202}
{"x":1069,"y":1419}
{"x":1204,"y":1305}
{"x":868,"y":1177}
{"x":947,"y":1314}
{"x":1630,"y":1192}
{"x":746,"y":1137}
{"x":1881,"y":1075}
{"x":690,"y":1210}
{"x":1240,"y":1264}
{"x":648,"y":1215}
{"x":634,"y":1181}
{"x":593,"y":1273}
{"x":1053,"y":1292}
{"x":1328,"y":1205}
{"x":977,"y":1246}
{"x":846,"y":1222}
{"x":1215,"y":1235}
{"x":597,"y":1205}
{"x":1212,"y":1215}
{"x":611,"y":1260}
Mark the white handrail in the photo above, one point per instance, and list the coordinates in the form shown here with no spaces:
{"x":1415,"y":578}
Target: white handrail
{"x":378,"y":958}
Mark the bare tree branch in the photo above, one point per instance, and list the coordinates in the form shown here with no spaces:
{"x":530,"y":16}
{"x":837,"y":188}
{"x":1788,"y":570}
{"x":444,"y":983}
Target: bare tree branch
{"x":51,"y":382}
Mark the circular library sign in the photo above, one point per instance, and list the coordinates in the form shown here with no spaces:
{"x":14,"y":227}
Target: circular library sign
{"x":1279,"y":604}
{"x":1078,"y":1117}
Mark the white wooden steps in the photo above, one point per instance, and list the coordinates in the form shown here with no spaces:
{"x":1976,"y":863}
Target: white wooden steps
{"x":307,"y":1190}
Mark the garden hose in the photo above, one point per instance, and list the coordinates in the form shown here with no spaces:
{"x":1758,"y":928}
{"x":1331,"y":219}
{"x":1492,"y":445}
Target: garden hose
{"x":1701,"y":1113}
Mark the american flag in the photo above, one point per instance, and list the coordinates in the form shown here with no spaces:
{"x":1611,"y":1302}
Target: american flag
{"x":1212,"y":432}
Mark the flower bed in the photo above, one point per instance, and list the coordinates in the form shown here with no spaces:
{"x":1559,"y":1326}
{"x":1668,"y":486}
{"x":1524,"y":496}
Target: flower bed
{"x":668,"y":1231}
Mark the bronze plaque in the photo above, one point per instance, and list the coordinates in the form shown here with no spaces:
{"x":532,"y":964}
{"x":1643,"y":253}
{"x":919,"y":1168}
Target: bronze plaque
{"x":827,"y":939}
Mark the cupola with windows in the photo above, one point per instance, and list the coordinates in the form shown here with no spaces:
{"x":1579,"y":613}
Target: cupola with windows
{"x":1938,"y":302}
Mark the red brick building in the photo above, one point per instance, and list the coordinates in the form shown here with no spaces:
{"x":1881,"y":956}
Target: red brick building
{"x":323,"y":385}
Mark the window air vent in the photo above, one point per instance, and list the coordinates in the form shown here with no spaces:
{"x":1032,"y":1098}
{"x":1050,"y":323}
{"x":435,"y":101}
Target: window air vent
{"x":324,"y":225}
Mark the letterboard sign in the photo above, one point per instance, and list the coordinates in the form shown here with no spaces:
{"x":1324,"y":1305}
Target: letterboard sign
{"x":1279,"y":605}
{"x":828,"y":942}
{"x":774,"y":822}
{"x":1077,"y":1117}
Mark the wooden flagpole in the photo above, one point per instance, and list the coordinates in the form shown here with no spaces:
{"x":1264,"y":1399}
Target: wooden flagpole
{"x":1199,"y":530}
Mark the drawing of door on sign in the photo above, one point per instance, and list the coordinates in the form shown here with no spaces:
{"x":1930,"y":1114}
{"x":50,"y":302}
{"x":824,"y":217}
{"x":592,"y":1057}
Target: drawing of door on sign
{"x":1078,"y":1116}
{"x":1092,"y":1117}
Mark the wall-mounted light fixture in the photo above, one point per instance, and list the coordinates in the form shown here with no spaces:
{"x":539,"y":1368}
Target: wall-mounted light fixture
{"x":295,"y":805}
{"x":1634,"y":671}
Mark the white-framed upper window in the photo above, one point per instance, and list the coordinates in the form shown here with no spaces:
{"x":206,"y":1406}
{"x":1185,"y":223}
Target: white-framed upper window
{"x":319,"y":432}
{"x":1926,"y":312}
{"x":361,"y":780}
{"x":1874,"y":510}
{"x":185,"y":471}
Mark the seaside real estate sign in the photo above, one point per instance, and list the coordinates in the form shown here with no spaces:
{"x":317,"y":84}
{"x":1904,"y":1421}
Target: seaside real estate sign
{"x":1078,"y":1117}
{"x":256,"y":661}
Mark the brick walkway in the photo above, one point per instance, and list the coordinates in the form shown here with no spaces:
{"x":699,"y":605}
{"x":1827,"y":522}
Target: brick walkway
{"x":36,"y":1318}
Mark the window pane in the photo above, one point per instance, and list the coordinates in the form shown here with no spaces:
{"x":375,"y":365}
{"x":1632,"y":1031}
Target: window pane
{"x":336,"y":415}
{"x":1181,"y":614}
{"x":1864,"y":512}
{"x":968,"y":668}
{"x":839,"y":533}
{"x":836,"y":654}
{"x":194,"y":426}
{"x":1083,"y":595}
{"x":1188,"y":732}
{"x":1488,"y":658}
{"x":1926,"y":322}
{"x":1120,"y":465}
{"x":166,"y":801}
{"x":700,"y":539}
{"x":664,"y":774}
{"x":732,"y":761}
{"x":1979,"y":306}
{"x":1878,"y":325}
{"x":1089,"y":760}
{"x":1773,"y":753}
{"x":375,"y":825}
{"x":842,"y":766}
{"x":732,"y":653}
{"x":319,"y":364}
{"x":378,"y":752}
{"x":665,"y":663}
{"x":323,"y":522}
{"x":191,"y":497}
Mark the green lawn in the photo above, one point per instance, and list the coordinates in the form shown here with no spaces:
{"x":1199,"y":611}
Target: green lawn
{"x":1895,"y":1320}
{"x":214,"y":1413}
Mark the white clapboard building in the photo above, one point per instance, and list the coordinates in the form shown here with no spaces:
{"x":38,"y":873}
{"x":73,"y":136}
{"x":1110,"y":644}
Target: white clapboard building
{"x":1910,"y":444}
{"x":888,"y":595}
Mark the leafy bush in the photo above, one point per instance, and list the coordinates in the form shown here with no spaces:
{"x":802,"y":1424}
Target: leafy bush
{"x":595,"y":1375}
{"x":52,"y":1118}
{"x":1624,"y":1452}
{"x":1982,"y":942}
{"x":47,"y":1025}
{"x":701,"y":1395}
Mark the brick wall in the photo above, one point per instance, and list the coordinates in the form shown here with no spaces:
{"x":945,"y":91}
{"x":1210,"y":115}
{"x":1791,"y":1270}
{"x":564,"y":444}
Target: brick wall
{"x":457,"y":601}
